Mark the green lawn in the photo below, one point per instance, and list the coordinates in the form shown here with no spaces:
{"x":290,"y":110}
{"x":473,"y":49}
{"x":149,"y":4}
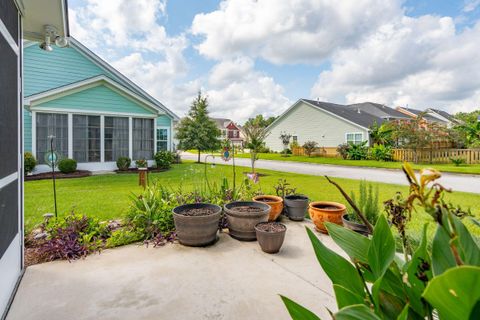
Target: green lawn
{"x":107,"y":196}
{"x":465,"y":168}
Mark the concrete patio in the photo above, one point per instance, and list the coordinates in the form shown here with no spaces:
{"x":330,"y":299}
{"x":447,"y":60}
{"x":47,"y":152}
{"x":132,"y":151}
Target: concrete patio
{"x":229,"y":280}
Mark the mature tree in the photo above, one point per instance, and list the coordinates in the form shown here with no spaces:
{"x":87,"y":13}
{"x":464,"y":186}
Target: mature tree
{"x":255,"y":135}
{"x":260,"y":121}
{"x":469,"y":128}
{"x":196,"y":130}
{"x":309,"y":147}
{"x":381,"y":134}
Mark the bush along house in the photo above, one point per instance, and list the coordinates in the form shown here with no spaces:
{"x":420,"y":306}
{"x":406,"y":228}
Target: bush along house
{"x":95,"y":113}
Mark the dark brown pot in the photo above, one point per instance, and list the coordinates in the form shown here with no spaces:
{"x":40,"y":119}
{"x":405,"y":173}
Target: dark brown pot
{"x":357,"y":227}
{"x":270,"y":242}
{"x":241,"y":225}
{"x":196,"y":231}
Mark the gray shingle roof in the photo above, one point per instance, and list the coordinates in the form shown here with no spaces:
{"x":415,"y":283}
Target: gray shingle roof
{"x":379,"y":110}
{"x":424,"y":115}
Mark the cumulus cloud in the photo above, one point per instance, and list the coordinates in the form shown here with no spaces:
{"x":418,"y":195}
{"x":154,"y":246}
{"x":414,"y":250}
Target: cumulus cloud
{"x":422,"y":62}
{"x":289,"y":31}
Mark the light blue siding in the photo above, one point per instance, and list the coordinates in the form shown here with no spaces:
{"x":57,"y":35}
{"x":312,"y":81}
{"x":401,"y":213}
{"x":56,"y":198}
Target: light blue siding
{"x":164,"y":121}
{"x":98,"y":98}
{"x":27,"y":130}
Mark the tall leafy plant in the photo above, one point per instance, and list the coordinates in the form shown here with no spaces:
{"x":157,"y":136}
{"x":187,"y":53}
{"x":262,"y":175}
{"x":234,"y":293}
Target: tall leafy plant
{"x":377,"y":284}
{"x":255,"y":135}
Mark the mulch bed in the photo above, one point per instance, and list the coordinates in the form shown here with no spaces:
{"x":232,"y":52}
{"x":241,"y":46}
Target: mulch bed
{"x":59,"y":175}
{"x":197,"y":212}
{"x":246,"y":209}
{"x":271,"y":227}
{"x":135,"y":170}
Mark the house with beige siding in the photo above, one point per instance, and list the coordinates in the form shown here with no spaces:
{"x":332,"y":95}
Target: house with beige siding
{"x":328,"y":124}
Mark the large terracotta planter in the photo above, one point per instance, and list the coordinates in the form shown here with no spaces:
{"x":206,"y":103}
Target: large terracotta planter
{"x":276,"y":203}
{"x":241,"y":225}
{"x":326,"y":211}
{"x":200,"y":230}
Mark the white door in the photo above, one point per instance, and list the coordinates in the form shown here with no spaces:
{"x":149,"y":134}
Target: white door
{"x":11,"y":177}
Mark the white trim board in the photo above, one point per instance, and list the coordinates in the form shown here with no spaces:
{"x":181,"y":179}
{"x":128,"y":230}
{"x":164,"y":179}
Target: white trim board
{"x":90,"y":112}
{"x":79,"y":86}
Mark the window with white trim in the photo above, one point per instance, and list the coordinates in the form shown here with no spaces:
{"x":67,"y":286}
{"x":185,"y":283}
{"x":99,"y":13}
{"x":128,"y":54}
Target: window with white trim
{"x":116,"y":138}
{"x":51,"y":124}
{"x":162,"y":139}
{"x":86,"y":138}
{"x":355,"y":138}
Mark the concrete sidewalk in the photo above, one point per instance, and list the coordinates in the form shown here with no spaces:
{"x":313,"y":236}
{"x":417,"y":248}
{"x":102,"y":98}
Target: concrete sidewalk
{"x":458,"y":182}
{"x":229,"y":280}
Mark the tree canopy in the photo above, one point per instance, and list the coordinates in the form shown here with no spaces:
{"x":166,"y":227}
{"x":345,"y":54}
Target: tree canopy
{"x":260,"y":121}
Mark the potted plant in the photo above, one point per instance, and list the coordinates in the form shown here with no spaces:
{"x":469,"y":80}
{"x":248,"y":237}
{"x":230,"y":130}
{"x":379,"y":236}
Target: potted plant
{"x":242,"y":216}
{"x":326,"y":211}
{"x":368,"y":204}
{"x":270,"y":236}
{"x":296,"y":206}
{"x":197,"y":224}
{"x":141,"y":164}
{"x":276,"y":203}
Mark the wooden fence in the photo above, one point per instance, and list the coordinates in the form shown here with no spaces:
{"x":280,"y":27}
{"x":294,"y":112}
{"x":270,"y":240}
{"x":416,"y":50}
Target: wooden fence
{"x":329,"y":152}
{"x":470,"y":156}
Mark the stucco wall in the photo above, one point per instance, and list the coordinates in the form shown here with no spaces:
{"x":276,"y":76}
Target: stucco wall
{"x":310,"y":123}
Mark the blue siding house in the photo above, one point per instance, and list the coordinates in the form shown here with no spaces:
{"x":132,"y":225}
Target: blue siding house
{"x":94,"y":112}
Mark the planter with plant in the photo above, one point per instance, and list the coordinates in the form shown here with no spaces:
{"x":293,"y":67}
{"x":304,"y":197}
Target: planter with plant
{"x":141,"y":164}
{"x":296,"y":206}
{"x":438,"y":279}
{"x":326,"y":211}
{"x":275,"y":203}
{"x":242,"y":216}
{"x":197,"y":224}
{"x":270,"y":236}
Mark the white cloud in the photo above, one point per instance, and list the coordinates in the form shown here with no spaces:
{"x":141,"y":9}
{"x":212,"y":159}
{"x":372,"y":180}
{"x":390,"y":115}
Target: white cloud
{"x":422,"y":62}
{"x":471,"y":5}
{"x":289,"y":31}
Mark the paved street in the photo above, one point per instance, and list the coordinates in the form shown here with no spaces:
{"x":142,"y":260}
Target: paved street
{"x":458,"y":182}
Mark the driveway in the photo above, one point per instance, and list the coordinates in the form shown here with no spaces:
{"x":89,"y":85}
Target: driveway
{"x":458,"y":182}
{"x":229,"y":280}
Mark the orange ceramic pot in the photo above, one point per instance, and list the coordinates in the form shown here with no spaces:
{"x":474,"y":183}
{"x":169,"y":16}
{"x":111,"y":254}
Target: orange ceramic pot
{"x":276,"y":203}
{"x":326,"y":211}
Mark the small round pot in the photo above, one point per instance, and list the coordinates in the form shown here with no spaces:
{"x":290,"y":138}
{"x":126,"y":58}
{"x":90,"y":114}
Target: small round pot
{"x":241,"y":225}
{"x":296,"y":206}
{"x":357,"y":227}
{"x":276,"y":203}
{"x":270,"y":242}
{"x":196,"y":231}
{"x":326,"y":211}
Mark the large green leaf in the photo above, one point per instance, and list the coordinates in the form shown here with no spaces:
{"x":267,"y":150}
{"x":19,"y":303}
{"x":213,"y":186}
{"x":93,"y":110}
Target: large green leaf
{"x":469,"y":251}
{"x":419,"y":267}
{"x":354,"y":244}
{"x":338,"y":269}
{"x":356,"y":312}
{"x":388,"y":293}
{"x":442,"y":256}
{"x":382,"y":248}
{"x":346,"y":297}
{"x":297,"y":312}
{"x":455,"y":293}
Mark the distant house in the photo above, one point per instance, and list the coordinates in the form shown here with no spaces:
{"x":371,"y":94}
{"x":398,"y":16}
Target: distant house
{"x":329,"y":124}
{"x":230,"y":130}
{"x":95,"y":113}
{"x":430,"y":115}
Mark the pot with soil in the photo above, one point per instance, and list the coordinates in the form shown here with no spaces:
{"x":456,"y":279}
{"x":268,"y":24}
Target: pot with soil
{"x":270,"y":236}
{"x":242,"y":216}
{"x":351,"y":223}
{"x":276,"y":203}
{"x":296,"y":206}
{"x":326,"y":211}
{"x":197,"y":224}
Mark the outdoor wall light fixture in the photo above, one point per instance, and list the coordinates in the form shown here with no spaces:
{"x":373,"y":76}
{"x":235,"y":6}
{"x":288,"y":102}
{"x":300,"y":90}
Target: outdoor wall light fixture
{"x":52,"y":33}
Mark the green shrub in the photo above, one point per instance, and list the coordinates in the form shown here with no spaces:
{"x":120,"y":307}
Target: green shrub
{"x":457,"y":161}
{"x":141,"y":163}
{"x":357,"y":151}
{"x":67,"y":165}
{"x":342,"y":150}
{"x":29,"y":162}
{"x":309,"y":147}
{"x":123,"y":163}
{"x":164,"y":159}
{"x":381,"y":152}
{"x":123,"y":237}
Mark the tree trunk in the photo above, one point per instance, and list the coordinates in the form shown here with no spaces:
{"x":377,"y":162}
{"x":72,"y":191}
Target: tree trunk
{"x":252,"y":158}
{"x":198,"y":161}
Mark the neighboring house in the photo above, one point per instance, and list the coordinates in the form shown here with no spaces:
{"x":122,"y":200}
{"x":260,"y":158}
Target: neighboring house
{"x":430,"y":115}
{"x":230,"y":130}
{"x":328,"y":124}
{"x":95,"y":113}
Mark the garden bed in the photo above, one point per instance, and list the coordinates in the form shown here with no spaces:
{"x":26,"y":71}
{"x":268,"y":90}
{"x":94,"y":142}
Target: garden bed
{"x":58,"y":175}
{"x":135,"y":170}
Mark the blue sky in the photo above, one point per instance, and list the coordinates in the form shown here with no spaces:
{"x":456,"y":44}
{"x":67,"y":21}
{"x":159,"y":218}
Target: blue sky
{"x":260,"y":56}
